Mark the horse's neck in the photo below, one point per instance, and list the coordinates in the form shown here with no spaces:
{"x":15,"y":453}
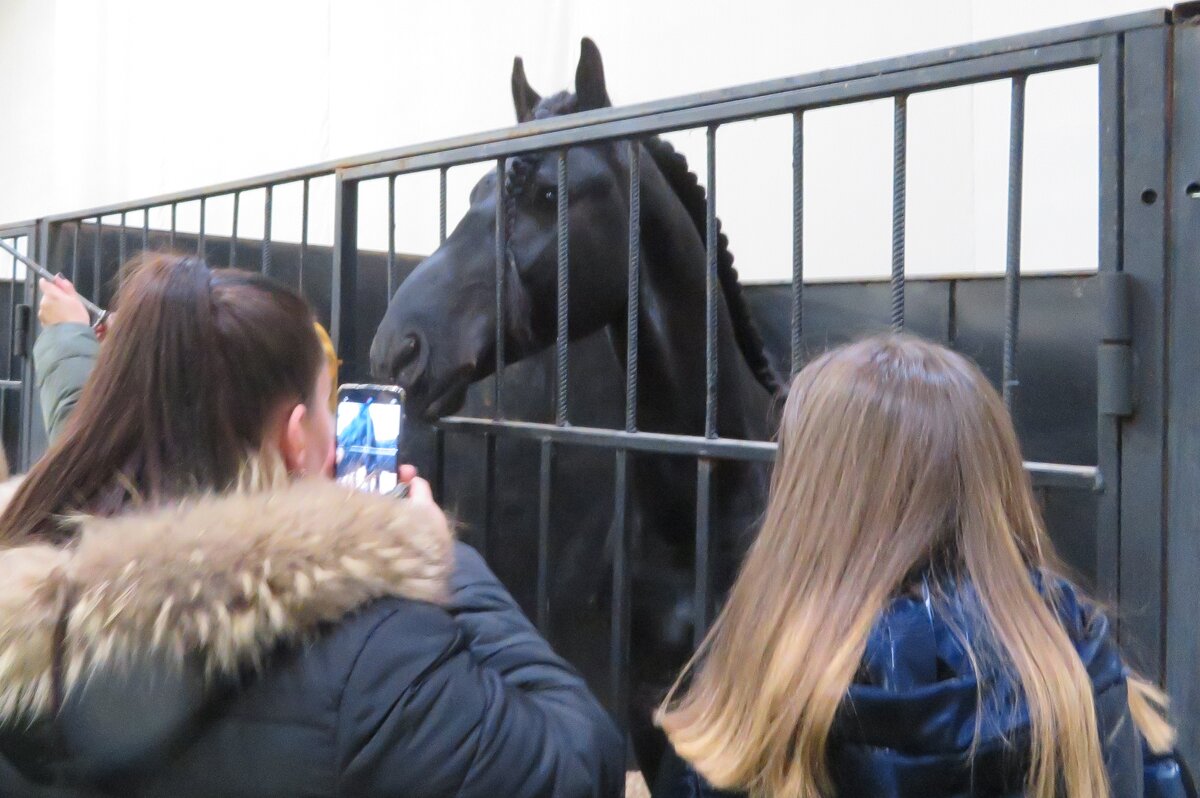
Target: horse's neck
{"x":671,"y":350}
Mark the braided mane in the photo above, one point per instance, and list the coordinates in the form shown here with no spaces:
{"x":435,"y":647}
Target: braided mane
{"x":686,"y":185}
{"x":691,"y":194}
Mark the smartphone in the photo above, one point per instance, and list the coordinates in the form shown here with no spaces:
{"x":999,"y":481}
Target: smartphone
{"x":370,"y":419}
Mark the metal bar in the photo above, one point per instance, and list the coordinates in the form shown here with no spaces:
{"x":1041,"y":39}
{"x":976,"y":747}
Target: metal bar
{"x":621,"y":601}
{"x":442,"y":205}
{"x":391,"y":251}
{"x":712,"y":286}
{"x":11,"y":385}
{"x":145,"y":229}
{"x":1012,"y":267}
{"x":233,"y":233}
{"x":268,"y":200}
{"x":703,"y":598}
{"x":489,"y":494}
{"x":543,"y":542}
{"x":1110,"y":222}
{"x":1040,"y":44}
{"x":501,"y":254}
{"x":560,"y":344}
{"x":344,"y":291}
{"x":584,"y":131}
{"x":797,"y":240}
{"x":174,"y":213}
{"x":12,"y":325}
{"x":74,"y":253}
{"x":899,"y":203}
{"x":1057,"y":475}
{"x":303,"y":235}
{"x":1183,"y":411}
{"x":97,"y":258}
{"x":121,"y":245}
{"x":38,"y":270}
{"x":634,"y":289}
{"x":200,"y":237}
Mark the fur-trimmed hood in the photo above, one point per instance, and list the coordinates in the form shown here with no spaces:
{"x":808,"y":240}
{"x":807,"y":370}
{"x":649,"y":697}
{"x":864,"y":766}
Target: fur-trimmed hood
{"x":209,"y":588}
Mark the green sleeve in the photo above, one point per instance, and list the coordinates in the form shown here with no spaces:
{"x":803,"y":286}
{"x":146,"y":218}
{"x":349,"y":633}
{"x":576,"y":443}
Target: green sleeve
{"x":63,"y":357}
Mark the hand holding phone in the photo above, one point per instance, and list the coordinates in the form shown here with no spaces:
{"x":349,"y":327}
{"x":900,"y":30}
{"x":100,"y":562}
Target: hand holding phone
{"x":370,"y":419}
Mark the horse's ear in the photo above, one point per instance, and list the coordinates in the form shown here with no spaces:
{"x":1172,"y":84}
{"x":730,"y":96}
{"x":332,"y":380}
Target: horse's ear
{"x":525,"y":99}
{"x":590,"y":91}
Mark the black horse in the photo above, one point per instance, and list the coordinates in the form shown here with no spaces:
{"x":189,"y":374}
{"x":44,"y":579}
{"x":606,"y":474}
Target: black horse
{"x":438,"y":337}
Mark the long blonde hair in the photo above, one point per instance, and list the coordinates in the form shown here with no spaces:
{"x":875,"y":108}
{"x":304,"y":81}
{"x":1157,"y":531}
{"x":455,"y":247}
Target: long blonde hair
{"x":896,"y":456}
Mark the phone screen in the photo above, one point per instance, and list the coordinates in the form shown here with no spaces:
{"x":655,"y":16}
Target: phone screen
{"x":369,"y":421}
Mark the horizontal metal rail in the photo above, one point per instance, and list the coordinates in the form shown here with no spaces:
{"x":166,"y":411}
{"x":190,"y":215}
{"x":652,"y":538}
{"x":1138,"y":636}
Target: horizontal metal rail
{"x":1044,"y":475}
{"x":583,"y":131}
{"x":1030,"y":42}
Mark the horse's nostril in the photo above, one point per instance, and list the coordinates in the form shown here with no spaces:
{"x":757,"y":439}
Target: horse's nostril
{"x":407,"y":362}
{"x":406,"y":352}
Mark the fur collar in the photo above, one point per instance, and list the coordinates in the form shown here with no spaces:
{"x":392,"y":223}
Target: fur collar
{"x":219,"y":582}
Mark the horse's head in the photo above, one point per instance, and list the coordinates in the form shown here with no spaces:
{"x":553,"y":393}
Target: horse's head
{"x":438,"y":334}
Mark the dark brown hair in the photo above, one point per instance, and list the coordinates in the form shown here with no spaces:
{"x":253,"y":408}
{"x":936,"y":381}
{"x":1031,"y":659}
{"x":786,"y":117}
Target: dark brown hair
{"x":196,"y":363}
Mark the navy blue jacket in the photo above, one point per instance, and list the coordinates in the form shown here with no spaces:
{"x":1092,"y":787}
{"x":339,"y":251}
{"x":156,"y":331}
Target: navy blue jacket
{"x":906,"y":727}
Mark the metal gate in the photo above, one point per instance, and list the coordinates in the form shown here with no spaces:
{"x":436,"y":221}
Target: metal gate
{"x":1147,"y":471}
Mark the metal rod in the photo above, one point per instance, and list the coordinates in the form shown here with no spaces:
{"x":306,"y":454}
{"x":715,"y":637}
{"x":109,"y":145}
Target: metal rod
{"x":174,"y":212}
{"x":703,"y":585}
{"x":543,"y":542}
{"x":797,"y":239}
{"x":266,"y":241}
{"x":1012,"y":266}
{"x":200,"y":237}
{"x":621,"y":602}
{"x":442,"y":205}
{"x":303,"y":234}
{"x":501,"y":253}
{"x":711,"y":288}
{"x":899,"y":201}
{"x":45,"y":274}
{"x":121,"y":245}
{"x":560,"y":344}
{"x":97,"y":258}
{"x":634,"y":289}
{"x":145,"y":229}
{"x":74,"y":254}
{"x":233,"y":233}
{"x":391,"y":250}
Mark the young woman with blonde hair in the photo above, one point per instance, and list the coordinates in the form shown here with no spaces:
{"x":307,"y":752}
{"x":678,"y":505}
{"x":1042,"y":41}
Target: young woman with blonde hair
{"x":901,"y":626}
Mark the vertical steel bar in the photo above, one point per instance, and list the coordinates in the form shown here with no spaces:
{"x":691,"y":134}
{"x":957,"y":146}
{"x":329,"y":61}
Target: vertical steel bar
{"x":1012,"y":266}
{"x":97,"y":260}
{"x":703,"y":576}
{"x":200,"y":238}
{"x":343,"y":326}
{"x":797,"y":238}
{"x":233,"y":233}
{"x":711,"y":287}
{"x":442,"y":205}
{"x":145,"y":229}
{"x":561,"y":364}
{"x":174,"y":215}
{"x":121,"y":244}
{"x":634,"y":289}
{"x":501,"y":256}
{"x":543,"y":541}
{"x":899,"y":201}
{"x":266,"y":241}
{"x":391,"y":250}
{"x":621,"y":602}
{"x":303,"y":234}
{"x":74,"y":252}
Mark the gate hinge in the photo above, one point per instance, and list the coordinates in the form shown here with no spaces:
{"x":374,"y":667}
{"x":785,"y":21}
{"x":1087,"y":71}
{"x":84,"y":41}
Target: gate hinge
{"x":1114,"y":368}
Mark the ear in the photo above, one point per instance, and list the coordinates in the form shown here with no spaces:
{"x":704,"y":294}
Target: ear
{"x":293,"y":439}
{"x":590,"y":91}
{"x":525,"y":99}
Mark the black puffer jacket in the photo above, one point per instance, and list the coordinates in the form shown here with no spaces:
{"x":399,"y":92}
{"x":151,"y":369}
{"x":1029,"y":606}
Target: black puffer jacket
{"x":906,"y":727}
{"x":309,"y":642}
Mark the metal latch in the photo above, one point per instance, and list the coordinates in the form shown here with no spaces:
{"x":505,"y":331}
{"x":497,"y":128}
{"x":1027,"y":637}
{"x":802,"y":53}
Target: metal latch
{"x":1114,"y":368}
